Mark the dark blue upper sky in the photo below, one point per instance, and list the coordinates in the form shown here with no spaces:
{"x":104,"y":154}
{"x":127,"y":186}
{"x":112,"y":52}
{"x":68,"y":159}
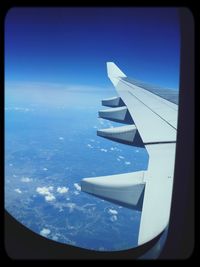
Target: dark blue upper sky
{"x":72,"y":45}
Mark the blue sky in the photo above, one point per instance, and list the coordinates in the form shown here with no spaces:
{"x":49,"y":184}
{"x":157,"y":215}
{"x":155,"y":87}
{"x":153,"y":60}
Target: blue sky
{"x":72,"y":45}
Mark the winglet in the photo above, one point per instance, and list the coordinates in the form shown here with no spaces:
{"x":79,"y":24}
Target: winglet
{"x":114,"y":73}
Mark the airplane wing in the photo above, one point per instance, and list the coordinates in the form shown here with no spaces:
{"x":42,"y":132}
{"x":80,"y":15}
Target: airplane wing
{"x":155,"y":118}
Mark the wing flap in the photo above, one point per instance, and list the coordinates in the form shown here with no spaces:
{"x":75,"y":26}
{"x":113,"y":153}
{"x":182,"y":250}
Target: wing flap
{"x":121,"y":188}
{"x":123,"y":133}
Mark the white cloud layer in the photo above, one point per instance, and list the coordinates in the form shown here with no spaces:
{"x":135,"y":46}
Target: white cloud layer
{"x":26,"y":180}
{"x":46,"y":192}
{"x":50,"y":197}
{"x":113,"y":212}
{"x":23,"y":109}
{"x":18,"y":190}
{"x":71,"y":206}
{"x":62,"y":190}
{"x":59,"y":95}
{"x":90,"y":146}
{"x":103,"y":150}
{"x":45,"y":232}
{"x":113,"y":218}
{"x":115,"y":149}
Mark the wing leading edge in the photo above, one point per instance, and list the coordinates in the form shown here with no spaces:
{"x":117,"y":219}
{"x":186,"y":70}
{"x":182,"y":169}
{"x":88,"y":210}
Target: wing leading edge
{"x":155,"y":119}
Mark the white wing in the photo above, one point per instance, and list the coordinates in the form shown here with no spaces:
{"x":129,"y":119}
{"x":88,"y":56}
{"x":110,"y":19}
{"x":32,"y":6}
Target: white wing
{"x":155,"y":119}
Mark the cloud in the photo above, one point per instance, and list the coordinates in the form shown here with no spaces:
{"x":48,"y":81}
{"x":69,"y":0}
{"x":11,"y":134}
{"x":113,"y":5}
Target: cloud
{"x":121,"y":157}
{"x":62,"y":190}
{"x":46,"y":191}
{"x":113,"y":218}
{"x":127,"y":162}
{"x":103,"y":150}
{"x":45,"y":169}
{"x":77,"y":186}
{"x":26,"y":180}
{"x":45,"y":232}
{"x":18,"y":190}
{"x":49,"y":197}
{"x":55,"y":237}
{"x":90,"y":146}
{"x":61,"y":138}
{"x":113,"y":212}
{"x":115,"y":149}
{"x":22,"y":109}
{"x":71,"y":206}
{"x":59,"y":95}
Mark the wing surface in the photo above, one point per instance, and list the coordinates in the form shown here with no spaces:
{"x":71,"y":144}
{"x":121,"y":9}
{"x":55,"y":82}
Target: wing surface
{"x":155,"y":118}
